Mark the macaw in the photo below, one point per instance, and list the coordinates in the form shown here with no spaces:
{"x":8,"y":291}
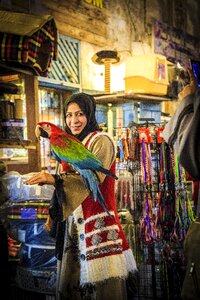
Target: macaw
{"x":67,"y":148}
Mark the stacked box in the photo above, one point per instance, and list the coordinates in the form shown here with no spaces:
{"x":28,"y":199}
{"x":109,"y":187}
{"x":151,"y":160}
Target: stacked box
{"x":12,"y":129}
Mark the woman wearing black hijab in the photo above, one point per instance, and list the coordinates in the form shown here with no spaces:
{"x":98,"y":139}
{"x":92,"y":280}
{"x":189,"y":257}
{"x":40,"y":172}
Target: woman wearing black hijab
{"x":88,"y":106}
{"x":94,"y":258}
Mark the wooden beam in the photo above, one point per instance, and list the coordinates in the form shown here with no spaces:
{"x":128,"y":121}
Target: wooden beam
{"x":32,"y":114}
{"x":81,"y":21}
{"x":77,"y":7}
{"x":81,"y":35}
{"x":91,"y":25}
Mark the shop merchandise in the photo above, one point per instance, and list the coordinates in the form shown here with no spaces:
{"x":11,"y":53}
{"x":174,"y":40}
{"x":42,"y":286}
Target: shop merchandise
{"x":25,"y":210}
{"x":160,"y":205}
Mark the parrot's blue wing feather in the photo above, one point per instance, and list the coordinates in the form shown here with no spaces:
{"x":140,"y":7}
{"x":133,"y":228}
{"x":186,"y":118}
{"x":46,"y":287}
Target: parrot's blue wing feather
{"x":106,"y":172}
{"x":91,"y":183}
{"x":57,"y":158}
{"x":96,"y":165}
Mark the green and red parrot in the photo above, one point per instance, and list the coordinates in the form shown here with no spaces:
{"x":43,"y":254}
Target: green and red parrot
{"x":67,"y":148}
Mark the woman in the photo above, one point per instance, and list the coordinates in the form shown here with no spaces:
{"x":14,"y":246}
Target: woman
{"x":94,"y":259}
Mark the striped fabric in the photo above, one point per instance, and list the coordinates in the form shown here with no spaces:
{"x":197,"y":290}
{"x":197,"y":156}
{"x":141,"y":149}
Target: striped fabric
{"x":14,"y":48}
{"x":36,"y":51}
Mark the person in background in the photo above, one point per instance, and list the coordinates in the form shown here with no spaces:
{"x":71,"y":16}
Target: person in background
{"x":94,"y":260}
{"x":182,"y":133}
{"x":182,"y":130}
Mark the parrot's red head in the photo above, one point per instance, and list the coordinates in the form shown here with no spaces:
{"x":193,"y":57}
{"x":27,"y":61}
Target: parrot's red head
{"x":45,"y":129}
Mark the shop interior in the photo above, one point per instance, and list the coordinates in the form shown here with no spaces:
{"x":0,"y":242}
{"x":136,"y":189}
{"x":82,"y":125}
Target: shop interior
{"x":155,"y":196}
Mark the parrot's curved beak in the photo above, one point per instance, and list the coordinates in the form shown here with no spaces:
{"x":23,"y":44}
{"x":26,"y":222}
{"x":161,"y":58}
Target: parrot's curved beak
{"x":40,"y":132}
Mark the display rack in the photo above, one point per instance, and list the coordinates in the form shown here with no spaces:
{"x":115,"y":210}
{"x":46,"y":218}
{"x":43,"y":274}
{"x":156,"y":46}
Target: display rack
{"x":160,"y":203}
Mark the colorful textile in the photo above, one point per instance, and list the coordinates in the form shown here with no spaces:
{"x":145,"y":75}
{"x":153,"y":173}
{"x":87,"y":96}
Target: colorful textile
{"x":28,"y":211}
{"x":36,"y":51}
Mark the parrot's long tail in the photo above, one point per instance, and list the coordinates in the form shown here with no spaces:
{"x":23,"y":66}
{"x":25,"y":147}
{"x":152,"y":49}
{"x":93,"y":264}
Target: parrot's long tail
{"x":91,"y":183}
{"x":107,"y":172}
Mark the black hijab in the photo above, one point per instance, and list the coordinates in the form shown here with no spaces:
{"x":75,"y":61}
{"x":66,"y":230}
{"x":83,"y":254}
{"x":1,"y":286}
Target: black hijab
{"x":88,"y":106}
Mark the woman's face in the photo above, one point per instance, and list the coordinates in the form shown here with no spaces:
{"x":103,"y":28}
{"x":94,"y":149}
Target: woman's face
{"x":76,"y":119}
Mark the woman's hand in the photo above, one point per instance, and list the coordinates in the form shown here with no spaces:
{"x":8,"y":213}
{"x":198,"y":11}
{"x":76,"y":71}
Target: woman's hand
{"x":41,"y":178}
{"x":189,"y":88}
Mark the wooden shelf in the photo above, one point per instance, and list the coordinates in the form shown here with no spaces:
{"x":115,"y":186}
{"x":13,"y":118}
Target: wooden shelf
{"x":15,"y":143}
{"x":125,"y":98}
